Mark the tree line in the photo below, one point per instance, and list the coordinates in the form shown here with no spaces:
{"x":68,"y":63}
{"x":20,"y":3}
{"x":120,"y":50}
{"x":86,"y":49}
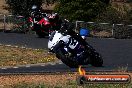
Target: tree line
{"x":86,"y":10}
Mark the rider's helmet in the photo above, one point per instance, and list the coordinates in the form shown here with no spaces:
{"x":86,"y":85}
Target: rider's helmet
{"x":34,"y":7}
{"x":84,"y":32}
{"x":34,"y":10}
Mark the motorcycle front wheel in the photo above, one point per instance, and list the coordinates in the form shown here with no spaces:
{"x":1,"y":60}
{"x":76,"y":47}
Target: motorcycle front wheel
{"x":66,"y":59}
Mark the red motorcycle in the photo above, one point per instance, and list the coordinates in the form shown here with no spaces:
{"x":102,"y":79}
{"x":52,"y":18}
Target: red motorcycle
{"x":43,"y":26}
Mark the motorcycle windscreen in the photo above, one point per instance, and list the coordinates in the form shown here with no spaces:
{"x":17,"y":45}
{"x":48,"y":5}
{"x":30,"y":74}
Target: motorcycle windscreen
{"x":54,"y":39}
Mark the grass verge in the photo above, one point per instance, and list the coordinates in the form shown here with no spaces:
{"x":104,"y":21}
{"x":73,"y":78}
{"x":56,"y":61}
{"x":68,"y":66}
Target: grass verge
{"x":12,"y":56}
{"x":53,"y":81}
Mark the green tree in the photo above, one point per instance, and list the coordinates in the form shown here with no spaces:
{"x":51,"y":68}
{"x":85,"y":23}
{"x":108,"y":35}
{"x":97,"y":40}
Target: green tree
{"x":85,"y":10}
{"x":22,"y":7}
{"x":111,"y":15}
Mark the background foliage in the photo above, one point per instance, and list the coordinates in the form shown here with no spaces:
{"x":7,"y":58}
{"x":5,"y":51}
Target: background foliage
{"x":117,"y":13}
{"x":81,"y":9}
{"x":22,"y":7}
{"x":86,"y":10}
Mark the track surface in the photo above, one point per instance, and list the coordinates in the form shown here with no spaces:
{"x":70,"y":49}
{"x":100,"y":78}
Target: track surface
{"x":117,"y":53}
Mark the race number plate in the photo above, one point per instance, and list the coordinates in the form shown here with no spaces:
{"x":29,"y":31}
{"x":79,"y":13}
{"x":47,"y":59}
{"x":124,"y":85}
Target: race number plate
{"x":73,"y":43}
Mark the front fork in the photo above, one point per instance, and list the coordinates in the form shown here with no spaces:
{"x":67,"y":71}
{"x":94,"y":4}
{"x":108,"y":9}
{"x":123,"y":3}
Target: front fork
{"x":58,"y":46}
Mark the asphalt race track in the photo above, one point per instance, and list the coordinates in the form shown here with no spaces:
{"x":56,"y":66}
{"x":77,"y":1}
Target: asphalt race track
{"x":117,"y":54}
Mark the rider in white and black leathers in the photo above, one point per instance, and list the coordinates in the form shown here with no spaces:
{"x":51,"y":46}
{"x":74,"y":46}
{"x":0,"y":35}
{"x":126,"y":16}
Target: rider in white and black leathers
{"x":72,"y":49}
{"x":67,"y":29}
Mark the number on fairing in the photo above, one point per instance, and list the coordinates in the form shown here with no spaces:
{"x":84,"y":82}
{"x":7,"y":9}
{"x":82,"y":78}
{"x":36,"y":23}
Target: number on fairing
{"x":72,"y":43}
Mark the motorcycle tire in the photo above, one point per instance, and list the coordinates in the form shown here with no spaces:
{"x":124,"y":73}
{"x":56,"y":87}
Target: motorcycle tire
{"x":40,"y":34}
{"x":66,"y":59}
{"x":96,"y":59}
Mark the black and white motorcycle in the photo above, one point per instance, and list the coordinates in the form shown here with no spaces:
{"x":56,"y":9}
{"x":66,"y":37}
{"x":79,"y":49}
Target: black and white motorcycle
{"x":73,"y":50}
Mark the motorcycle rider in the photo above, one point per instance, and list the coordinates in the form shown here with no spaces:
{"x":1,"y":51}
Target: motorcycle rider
{"x":67,"y":28}
{"x":71,"y":48}
{"x":31,"y":18}
{"x":74,"y":44}
{"x":34,"y":15}
{"x":38,"y":18}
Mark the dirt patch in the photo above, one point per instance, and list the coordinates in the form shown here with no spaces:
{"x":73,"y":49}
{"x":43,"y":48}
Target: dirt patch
{"x":101,"y":34}
{"x":12,"y":56}
{"x":46,"y":79}
{"x":2,"y":7}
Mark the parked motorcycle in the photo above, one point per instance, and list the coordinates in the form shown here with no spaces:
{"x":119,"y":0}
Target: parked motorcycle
{"x":73,"y":50}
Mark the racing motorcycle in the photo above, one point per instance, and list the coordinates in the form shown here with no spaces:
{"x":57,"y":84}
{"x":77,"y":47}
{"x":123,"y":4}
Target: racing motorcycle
{"x":43,"y":25}
{"x":73,"y":50}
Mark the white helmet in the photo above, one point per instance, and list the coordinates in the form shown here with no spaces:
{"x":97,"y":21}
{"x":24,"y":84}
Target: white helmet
{"x":34,"y":7}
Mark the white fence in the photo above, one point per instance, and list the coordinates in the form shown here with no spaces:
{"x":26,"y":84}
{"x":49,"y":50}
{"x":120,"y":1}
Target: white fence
{"x":19,"y":23}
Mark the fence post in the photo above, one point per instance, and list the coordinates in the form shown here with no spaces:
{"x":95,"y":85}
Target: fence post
{"x":113,"y":30}
{"x":76,"y":25}
{"x":4,"y":22}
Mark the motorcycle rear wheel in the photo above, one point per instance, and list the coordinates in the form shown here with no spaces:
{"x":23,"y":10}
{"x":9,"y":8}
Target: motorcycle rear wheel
{"x":96,"y":59}
{"x":40,"y":34}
